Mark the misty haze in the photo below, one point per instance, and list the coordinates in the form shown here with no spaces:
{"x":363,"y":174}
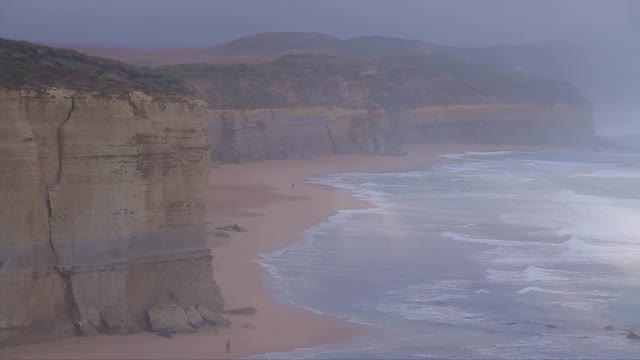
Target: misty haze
{"x":321,"y":179}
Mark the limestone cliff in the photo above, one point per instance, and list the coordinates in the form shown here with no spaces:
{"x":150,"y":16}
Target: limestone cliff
{"x":258,"y":134}
{"x":300,"y":106}
{"x":102,"y":211}
{"x":279,"y":95}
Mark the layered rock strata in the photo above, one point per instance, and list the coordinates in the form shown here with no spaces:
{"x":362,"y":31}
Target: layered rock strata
{"x":257,"y":134}
{"x":103,"y":212}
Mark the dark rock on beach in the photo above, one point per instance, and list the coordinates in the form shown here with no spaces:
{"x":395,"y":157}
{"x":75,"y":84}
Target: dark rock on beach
{"x":632,"y":335}
{"x":168,"y":316}
{"x":243,"y":311}
{"x":234,"y":227}
{"x":213,"y":318}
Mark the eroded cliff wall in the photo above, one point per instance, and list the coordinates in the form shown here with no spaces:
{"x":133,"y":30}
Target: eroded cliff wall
{"x":245,"y":135}
{"x":516,"y":123}
{"x":102,"y":213}
{"x":256,"y":134}
{"x":305,"y":105}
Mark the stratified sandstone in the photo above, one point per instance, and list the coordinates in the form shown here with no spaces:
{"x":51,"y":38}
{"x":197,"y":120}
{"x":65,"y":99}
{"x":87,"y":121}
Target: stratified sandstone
{"x":258,"y":134}
{"x":102,"y":211}
{"x":305,"y":105}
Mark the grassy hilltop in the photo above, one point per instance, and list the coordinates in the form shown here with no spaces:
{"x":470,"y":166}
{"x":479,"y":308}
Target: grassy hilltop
{"x":390,"y":82}
{"x":359,"y":76}
{"x":27,"y":65}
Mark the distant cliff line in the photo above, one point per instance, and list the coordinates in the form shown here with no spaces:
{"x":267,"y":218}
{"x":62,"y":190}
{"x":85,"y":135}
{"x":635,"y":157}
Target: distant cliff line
{"x":306,"y":105}
{"x":259,"y":134}
{"x":399,"y":91}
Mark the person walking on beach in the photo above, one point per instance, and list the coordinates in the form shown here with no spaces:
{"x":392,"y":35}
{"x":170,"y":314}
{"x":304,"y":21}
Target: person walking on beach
{"x":228,"y":346}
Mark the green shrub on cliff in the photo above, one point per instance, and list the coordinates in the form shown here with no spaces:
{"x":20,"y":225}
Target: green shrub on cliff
{"x":392,"y":83}
{"x":28,"y":65}
{"x":192,"y":71}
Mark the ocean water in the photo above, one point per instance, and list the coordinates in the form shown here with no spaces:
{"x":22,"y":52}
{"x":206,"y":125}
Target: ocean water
{"x":502,"y":255}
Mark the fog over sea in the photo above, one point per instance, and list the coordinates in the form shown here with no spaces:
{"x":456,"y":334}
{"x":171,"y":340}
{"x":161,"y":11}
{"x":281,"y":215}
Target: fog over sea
{"x":503,"y":255}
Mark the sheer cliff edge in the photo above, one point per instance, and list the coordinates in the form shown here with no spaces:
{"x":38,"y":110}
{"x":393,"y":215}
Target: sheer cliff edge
{"x":102,"y":187}
{"x":306,"y":105}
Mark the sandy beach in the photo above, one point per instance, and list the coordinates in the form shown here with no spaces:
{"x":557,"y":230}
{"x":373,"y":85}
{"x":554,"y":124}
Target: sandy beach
{"x":260,"y":197}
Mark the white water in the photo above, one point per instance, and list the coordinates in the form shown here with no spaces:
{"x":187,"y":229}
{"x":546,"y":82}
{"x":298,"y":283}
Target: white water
{"x":509,"y":255}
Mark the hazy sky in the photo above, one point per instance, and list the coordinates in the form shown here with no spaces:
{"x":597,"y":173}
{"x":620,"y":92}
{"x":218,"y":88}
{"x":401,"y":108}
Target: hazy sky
{"x":168,"y":23}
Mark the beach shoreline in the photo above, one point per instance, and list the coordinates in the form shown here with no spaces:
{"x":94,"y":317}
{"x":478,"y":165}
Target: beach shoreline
{"x":275,"y":201}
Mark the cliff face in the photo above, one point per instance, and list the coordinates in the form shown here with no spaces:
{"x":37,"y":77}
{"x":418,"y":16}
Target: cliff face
{"x":519,"y":123}
{"x":246,"y":135}
{"x":102,"y":211}
{"x":258,"y":134}
{"x":308,"y":105}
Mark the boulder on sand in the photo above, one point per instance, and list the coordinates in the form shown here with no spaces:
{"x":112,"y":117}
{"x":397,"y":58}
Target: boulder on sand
{"x":194,"y":317}
{"x":84,"y":328}
{"x":118,"y":321}
{"x":168,"y":316}
{"x":249,"y":326}
{"x":212,"y":318}
{"x":243,"y":311}
{"x":234,"y":227}
{"x":632,"y":335}
{"x":168,"y":333}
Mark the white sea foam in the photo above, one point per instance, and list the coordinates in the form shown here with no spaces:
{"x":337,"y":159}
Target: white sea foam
{"x":597,"y":228}
{"x":461,"y":168}
{"x":612,"y":174}
{"x":468,"y":154}
{"x":406,"y":174}
{"x":528,"y":275}
{"x":575,"y":305}
{"x":430,"y":312}
{"x":602,"y":293}
{"x":424,"y":301}
{"x":504,"y":276}
{"x":426,"y":356}
{"x":533,"y":273}
{"x":603,"y":229}
{"x":588,"y":251}
{"x":368,"y":194}
{"x":561,"y":166}
{"x":559,"y":345}
{"x":572,"y":197}
{"x":531,"y":289}
{"x":435,"y":291}
{"x":493,"y":242}
{"x":541,"y":215}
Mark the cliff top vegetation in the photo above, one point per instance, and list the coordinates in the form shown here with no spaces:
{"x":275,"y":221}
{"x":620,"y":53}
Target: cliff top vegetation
{"x":388,"y":82}
{"x":27,"y":65}
{"x":398,"y":81}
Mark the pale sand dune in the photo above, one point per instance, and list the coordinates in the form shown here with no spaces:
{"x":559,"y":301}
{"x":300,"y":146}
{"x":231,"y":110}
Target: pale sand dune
{"x":257,"y":196}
